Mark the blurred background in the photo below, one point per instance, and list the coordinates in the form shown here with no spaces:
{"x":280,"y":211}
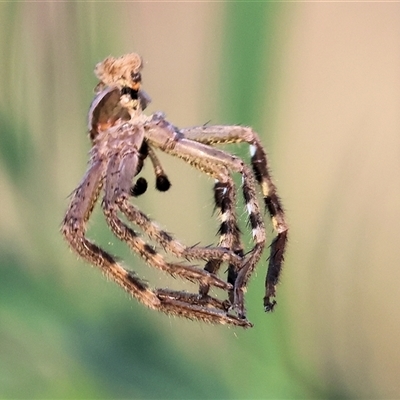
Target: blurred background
{"x":321,"y":84}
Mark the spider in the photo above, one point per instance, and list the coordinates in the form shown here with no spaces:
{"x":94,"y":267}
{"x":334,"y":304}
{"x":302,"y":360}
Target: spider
{"x":123,"y":137}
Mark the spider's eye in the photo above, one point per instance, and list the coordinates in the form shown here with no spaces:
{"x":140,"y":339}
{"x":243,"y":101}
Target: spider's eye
{"x":130,"y":92}
{"x":136,"y":77}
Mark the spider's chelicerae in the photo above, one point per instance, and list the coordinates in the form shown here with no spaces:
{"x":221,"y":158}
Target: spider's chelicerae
{"x":123,"y":137}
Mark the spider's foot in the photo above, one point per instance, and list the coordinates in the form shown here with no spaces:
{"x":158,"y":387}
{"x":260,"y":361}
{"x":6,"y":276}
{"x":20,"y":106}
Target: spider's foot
{"x":203,"y":290}
{"x":242,"y":322}
{"x":241,"y":313}
{"x":268,"y":304}
{"x":238,"y":304}
{"x":226,"y":304}
{"x":269,"y":294}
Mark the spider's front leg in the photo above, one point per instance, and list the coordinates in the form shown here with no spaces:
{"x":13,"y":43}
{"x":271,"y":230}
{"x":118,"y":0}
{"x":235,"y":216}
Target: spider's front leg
{"x":213,"y":135}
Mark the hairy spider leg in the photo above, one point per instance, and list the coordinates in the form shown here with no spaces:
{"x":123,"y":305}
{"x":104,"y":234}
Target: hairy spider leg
{"x":74,"y":231}
{"x":213,"y":135}
{"x":225,"y":202}
{"x":215,"y":309}
{"x":170,"y":302}
{"x":171,"y":245}
{"x":191,"y":306}
{"x":218,"y":164}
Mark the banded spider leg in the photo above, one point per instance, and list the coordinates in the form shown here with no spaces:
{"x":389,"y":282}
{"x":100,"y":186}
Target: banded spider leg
{"x":214,"y":135}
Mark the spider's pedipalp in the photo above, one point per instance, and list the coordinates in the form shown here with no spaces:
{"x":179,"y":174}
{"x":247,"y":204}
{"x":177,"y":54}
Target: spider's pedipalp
{"x":162,"y":181}
{"x":139,"y":187}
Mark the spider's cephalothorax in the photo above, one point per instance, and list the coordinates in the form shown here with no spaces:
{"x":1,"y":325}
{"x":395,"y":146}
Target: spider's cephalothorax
{"x":123,"y":137}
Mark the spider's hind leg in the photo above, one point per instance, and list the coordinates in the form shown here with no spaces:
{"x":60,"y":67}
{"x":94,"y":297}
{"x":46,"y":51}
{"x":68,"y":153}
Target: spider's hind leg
{"x":276,"y":212}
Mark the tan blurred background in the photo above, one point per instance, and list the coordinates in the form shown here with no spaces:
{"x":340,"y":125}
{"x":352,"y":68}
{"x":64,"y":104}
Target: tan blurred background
{"x":339,"y":114}
{"x":320,"y":82}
